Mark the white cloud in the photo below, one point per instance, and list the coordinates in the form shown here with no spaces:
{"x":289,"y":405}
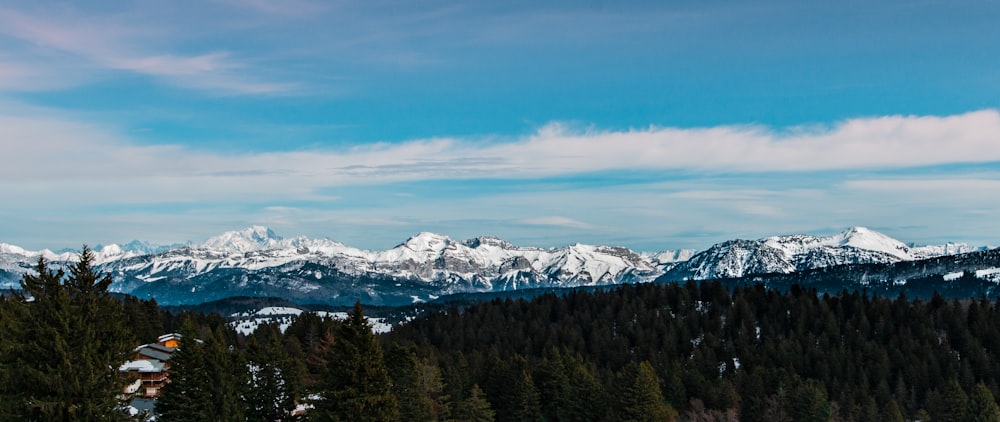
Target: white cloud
{"x":555,"y":220}
{"x":62,"y":151}
{"x":69,"y":42}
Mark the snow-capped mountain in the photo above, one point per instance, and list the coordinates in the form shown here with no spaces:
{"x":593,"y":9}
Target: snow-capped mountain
{"x":257,"y":262}
{"x":786,"y":254}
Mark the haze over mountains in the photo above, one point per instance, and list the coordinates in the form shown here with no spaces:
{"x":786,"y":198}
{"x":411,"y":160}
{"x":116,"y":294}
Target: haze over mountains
{"x":257,"y":262}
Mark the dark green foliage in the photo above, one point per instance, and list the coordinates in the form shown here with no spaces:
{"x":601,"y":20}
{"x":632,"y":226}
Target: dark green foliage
{"x":638,"y":397}
{"x":273,"y":378}
{"x":953,"y":404}
{"x":982,"y":405}
{"x":356,"y":385}
{"x":587,"y":399}
{"x":308,"y":338}
{"x":416,"y":385}
{"x":206,"y":380}
{"x":189,"y":392}
{"x":892,"y":413}
{"x":474,"y":408}
{"x":745,"y":351}
{"x":512,"y":390}
{"x":809,"y":403}
{"x":60,"y":350}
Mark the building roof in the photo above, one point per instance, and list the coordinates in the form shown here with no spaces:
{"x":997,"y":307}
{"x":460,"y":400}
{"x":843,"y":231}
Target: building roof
{"x":156,"y":351}
{"x":142,"y":366}
{"x":166,"y":337}
{"x":143,"y":404}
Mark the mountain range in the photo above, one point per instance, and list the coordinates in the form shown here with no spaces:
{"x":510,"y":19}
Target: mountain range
{"x":257,"y":262}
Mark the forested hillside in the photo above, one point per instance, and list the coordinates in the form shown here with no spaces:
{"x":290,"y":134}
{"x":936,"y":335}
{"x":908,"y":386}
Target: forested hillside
{"x":752,"y":352}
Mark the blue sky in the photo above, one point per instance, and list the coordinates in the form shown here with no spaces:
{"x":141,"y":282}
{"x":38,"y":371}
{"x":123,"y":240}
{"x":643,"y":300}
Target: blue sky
{"x":653,"y":125}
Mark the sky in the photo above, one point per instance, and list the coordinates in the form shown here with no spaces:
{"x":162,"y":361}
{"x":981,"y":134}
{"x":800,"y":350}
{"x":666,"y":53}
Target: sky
{"x":654,"y":125}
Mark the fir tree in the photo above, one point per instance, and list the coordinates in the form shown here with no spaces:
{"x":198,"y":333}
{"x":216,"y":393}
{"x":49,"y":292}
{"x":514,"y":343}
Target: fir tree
{"x":205,"y":380}
{"x":809,"y":403}
{"x":638,"y":396}
{"x":270,"y":391}
{"x":356,"y":386}
{"x":417,"y":385}
{"x":953,"y":405}
{"x":587,"y":398}
{"x":982,"y":405}
{"x":891,"y":412}
{"x":62,"y":346}
{"x":188,"y":395}
{"x":527,"y":405}
{"x":474,"y":408}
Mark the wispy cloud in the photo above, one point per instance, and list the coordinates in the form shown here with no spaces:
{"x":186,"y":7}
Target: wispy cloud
{"x":783,"y":180}
{"x":555,"y":220}
{"x":78,"y":151}
{"x":67,"y":41}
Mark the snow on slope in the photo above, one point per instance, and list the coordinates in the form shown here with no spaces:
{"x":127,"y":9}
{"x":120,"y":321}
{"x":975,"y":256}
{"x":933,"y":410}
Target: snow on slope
{"x":247,"y":322}
{"x":785,"y":254}
{"x":854,"y":237}
{"x":430,"y":264}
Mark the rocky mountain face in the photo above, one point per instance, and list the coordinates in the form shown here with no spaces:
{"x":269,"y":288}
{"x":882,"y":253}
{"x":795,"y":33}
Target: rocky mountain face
{"x":787,"y":254}
{"x":257,"y":262}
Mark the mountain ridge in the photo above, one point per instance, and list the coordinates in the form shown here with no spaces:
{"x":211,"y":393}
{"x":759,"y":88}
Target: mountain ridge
{"x":256,"y":261}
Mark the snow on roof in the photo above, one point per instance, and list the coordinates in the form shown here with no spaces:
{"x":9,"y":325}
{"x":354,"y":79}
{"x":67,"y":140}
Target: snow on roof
{"x":141,"y":365}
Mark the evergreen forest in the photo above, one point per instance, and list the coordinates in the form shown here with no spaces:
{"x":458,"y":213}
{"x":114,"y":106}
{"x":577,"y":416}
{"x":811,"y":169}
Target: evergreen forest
{"x":646,"y":352}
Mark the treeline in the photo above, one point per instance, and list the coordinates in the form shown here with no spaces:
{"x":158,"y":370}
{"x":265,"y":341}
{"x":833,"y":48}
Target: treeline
{"x":750,"y":353}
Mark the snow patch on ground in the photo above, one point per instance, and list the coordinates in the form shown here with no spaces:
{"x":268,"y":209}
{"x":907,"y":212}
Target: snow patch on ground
{"x":991,"y":274}
{"x":953,"y":276}
{"x":247,"y":322}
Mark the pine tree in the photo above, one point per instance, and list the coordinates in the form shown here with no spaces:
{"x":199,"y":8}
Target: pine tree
{"x":809,"y":403}
{"x":553,"y":385}
{"x":954,"y":404}
{"x":982,"y":405}
{"x":587,"y":397}
{"x":891,"y":412}
{"x":474,"y":408}
{"x":404,"y":369}
{"x":417,"y":385}
{"x":527,"y":405}
{"x":356,"y":386}
{"x":62,"y":346}
{"x":270,"y":391}
{"x":188,"y":393}
{"x":638,"y":396}
{"x":205,"y":380}
{"x":227,"y":368}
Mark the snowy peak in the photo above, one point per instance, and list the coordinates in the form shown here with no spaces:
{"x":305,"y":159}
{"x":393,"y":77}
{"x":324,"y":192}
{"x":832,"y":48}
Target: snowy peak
{"x":864,"y":238}
{"x":786,"y":254}
{"x":427,"y":242}
{"x":488,"y":241}
{"x":855,"y":237}
{"x":254,"y":238}
{"x":256,"y":261}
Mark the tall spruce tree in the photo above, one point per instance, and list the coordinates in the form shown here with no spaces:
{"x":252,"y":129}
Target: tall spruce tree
{"x":416,"y":384}
{"x":356,"y":386}
{"x":982,"y":405}
{"x":205,"y":380}
{"x":954,"y":404}
{"x":63,"y":340}
{"x":474,"y":408}
{"x":270,"y":391}
{"x":638,"y":396}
